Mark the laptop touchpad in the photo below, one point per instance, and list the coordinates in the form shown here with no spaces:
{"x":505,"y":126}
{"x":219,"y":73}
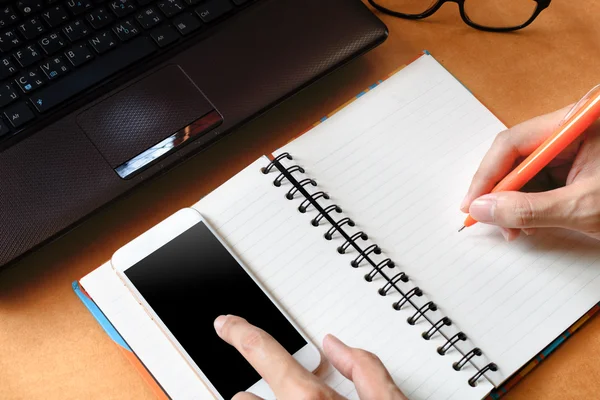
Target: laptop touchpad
{"x":148,"y":119}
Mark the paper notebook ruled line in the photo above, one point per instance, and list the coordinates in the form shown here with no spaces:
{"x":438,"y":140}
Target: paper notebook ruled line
{"x":491,"y":277}
{"x":563,"y":290}
{"x":516,"y":284}
{"x":370,"y":147}
{"x":428,"y":128}
{"x":581,"y":289}
{"x":380,"y":120}
{"x":525,"y":301}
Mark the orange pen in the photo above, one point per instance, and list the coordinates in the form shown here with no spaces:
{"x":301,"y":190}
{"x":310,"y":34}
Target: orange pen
{"x":578,"y":119}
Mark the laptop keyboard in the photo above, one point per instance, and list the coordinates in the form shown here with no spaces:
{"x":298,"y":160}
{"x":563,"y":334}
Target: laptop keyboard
{"x":52,"y":50}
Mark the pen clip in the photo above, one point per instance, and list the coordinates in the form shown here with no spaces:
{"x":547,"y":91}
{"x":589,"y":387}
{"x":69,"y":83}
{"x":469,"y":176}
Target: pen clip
{"x":579,"y":104}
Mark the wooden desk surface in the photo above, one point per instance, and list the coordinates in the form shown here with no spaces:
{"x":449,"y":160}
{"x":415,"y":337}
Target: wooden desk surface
{"x":50,"y":346}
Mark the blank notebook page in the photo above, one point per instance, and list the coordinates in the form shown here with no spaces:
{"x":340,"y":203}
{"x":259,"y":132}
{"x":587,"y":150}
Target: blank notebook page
{"x":399,"y":161}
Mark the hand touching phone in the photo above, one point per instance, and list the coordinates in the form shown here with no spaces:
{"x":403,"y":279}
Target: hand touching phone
{"x":289,"y":380}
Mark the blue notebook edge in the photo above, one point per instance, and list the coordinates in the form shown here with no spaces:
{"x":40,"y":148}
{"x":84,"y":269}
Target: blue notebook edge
{"x":99,"y":316}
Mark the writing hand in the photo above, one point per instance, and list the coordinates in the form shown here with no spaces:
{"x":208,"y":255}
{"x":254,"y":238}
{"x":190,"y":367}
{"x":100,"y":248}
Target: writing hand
{"x":289,"y":380}
{"x":565,"y":194}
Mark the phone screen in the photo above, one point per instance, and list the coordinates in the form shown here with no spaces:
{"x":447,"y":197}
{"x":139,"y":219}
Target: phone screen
{"x":192,"y":280}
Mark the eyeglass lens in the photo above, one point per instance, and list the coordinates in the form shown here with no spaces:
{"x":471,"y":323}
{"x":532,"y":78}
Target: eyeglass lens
{"x":486,"y":13}
{"x":500,"y":13}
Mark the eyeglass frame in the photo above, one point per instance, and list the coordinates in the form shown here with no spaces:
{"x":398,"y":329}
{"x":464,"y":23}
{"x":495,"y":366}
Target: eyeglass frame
{"x":541,"y":5}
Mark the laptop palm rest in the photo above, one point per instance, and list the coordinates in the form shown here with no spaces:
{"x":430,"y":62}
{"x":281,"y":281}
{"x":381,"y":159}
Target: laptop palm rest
{"x":138,"y":125}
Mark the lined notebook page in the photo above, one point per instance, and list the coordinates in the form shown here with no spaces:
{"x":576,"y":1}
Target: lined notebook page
{"x":310,"y":279}
{"x":399,"y":160}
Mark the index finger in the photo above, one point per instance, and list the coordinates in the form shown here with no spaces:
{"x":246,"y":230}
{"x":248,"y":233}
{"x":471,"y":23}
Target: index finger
{"x":278,"y":368}
{"x":519,"y":141}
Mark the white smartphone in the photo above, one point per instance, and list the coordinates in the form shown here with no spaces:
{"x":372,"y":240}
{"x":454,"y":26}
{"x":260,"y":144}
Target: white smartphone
{"x":185,"y":276}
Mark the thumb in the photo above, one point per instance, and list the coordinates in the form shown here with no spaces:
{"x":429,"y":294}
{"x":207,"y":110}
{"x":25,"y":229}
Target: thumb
{"x":554,"y":208}
{"x":371,"y":379}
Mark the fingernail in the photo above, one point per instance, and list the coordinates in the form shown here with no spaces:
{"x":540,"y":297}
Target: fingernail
{"x":464,"y":205}
{"x":334,"y":343}
{"x":219,"y":323}
{"x":483,"y":208}
{"x":505,"y":233}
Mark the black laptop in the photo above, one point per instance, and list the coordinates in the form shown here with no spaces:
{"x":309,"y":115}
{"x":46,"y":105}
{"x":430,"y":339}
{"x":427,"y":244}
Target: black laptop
{"x":97,"y":96}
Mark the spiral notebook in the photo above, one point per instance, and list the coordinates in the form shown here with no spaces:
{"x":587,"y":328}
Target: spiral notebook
{"x":352,"y":227}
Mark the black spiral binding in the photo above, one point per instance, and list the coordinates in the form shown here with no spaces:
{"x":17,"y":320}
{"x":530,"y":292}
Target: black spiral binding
{"x":275,"y":163}
{"x":301,"y":184}
{"x":461,"y":363}
{"x":337,"y":226}
{"x":391,"y":283}
{"x":327,"y":210}
{"x":460,"y":336}
{"x":352,"y":239}
{"x":429,"y":306}
{"x":364,"y":255}
{"x":387,"y":262}
{"x":281,"y":177}
{"x":371,"y":249}
{"x":444,"y":321}
{"x":316,"y":196}
{"x":490,"y":367}
{"x":405,"y":298}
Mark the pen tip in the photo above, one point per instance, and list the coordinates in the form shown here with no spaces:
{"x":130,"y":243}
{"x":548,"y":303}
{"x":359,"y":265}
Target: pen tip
{"x":460,"y":230}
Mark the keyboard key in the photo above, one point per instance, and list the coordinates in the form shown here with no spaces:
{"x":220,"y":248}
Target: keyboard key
{"x":76,"y":30}
{"x":213,"y":9}
{"x":79,"y":6}
{"x":54,"y":67}
{"x":8,"y":16}
{"x":122,"y":8}
{"x":126,"y":30}
{"x":52,"y":43}
{"x":103,"y":42}
{"x":7,"y":67}
{"x":170,"y":7}
{"x":30,"y":6}
{"x":18,"y":114}
{"x":7,"y":94}
{"x":96,"y":72}
{"x":79,"y":54}
{"x":149,"y":18}
{"x":192,"y":2}
{"x":99,"y":18}
{"x":30,"y":81}
{"x":32,"y":28}
{"x":9,"y":40}
{"x":186,"y":23}
{"x":27,"y":55}
{"x":3,"y":128}
{"x":55,"y":16}
{"x":164,"y":35}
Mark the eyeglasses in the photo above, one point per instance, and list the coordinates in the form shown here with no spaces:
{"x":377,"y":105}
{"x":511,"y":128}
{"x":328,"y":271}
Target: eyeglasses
{"x":487,"y":15}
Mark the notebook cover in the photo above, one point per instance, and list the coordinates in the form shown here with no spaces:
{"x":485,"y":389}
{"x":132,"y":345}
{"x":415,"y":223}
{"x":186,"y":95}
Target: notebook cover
{"x":160,"y":393}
